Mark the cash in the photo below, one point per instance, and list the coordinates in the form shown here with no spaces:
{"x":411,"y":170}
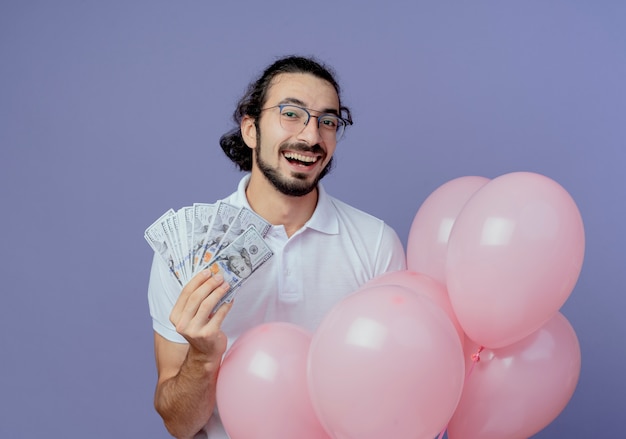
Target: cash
{"x":220,"y":237}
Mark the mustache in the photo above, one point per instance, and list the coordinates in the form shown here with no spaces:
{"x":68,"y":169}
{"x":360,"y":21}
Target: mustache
{"x":302,"y":147}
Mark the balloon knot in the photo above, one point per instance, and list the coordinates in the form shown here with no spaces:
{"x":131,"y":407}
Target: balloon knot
{"x":476,"y":356}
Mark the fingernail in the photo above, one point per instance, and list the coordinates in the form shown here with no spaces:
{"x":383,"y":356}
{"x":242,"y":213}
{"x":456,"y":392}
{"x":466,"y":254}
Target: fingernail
{"x":218,"y":277}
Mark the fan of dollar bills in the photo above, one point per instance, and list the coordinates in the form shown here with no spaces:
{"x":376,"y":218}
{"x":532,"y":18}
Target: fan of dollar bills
{"x":219,"y":236}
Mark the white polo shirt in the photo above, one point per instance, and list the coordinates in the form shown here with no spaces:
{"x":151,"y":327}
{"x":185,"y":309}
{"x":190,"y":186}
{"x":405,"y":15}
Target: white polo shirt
{"x":332,"y":255}
{"x":338,"y":249}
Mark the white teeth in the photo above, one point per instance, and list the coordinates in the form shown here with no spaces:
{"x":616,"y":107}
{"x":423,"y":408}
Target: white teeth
{"x":300,"y":157}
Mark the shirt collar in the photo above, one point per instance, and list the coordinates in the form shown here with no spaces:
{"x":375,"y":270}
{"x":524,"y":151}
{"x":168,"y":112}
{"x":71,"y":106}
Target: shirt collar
{"x":324,"y":218}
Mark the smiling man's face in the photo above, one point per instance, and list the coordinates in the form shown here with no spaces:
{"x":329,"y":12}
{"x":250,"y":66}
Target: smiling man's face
{"x":294,"y":162}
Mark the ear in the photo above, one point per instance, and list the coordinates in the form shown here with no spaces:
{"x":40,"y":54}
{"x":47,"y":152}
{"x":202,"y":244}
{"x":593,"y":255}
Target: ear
{"x":248,"y":131}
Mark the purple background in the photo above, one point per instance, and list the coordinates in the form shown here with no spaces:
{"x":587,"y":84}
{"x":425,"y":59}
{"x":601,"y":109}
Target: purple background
{"x":110,"y":114}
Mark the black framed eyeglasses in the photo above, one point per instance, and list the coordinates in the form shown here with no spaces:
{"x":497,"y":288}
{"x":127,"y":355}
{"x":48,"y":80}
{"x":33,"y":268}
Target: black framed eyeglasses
{"x":294,"y":118}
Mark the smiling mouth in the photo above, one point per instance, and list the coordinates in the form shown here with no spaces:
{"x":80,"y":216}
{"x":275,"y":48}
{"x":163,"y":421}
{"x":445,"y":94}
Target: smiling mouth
{"x":300,"y":159}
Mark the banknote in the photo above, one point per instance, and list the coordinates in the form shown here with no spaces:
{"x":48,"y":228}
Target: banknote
{"x":172,"y":232}
{"x":244,"y":219}
{"x":224,"y":215}
{"x":237,"y":261}
{"x":226,"y":238}
{"x":185,"y":221}
{"x":202,"y":217}
{"x":156,"y":236}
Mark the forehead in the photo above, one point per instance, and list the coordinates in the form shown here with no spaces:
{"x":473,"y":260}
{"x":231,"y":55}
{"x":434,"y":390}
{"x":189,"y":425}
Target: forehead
{"x":313,"y":92}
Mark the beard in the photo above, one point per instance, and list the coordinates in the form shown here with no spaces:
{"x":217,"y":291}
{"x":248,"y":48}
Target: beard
{"x":295,"y":185}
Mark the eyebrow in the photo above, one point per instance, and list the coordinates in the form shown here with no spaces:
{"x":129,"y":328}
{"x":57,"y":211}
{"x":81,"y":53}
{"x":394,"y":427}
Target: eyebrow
{"x":297,"y":101}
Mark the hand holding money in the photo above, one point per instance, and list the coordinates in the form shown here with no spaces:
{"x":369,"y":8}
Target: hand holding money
{"x":220,"y":237}
{"x":197,"y":300}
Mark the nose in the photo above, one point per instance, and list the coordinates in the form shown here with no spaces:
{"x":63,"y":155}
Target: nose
{"x":311,"y":132}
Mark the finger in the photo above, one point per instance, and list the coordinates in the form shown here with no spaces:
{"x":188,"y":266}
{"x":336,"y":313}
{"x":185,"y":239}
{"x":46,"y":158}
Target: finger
{"x":194,"y":283}
{"x":208,"y":307}
{"x":187,"y":307}
{"x":193,"y":294}
{"x":200,"y":304}
{"x":212,"y":327}
{"x":221,"y":313}
{"x":200,"y":323}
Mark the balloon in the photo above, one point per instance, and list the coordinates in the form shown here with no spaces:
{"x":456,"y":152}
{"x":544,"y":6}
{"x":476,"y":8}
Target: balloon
{"x":427,"y":244}
{"x":514,"y":256}
{"x":385,"y":362}
{"x":516,"y":391}
{"x":262,"y":386}
{"x":422,"y":284}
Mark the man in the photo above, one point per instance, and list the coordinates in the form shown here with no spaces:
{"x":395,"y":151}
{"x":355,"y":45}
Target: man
{"x":288,"y":125}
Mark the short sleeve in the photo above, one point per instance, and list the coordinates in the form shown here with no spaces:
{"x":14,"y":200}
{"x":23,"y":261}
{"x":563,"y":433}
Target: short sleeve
{"x":391,"y":255}
{"x":163,"y":291}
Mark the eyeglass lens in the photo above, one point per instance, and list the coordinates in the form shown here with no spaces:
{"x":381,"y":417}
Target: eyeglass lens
{"x":294,"y":118}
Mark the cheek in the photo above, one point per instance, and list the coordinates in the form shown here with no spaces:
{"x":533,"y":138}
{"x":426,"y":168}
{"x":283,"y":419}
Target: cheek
{"x":330,"y":151}
{"x":269,"y":134}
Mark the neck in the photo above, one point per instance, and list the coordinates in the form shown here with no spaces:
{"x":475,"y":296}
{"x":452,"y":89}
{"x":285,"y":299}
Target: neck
{"x":278,"y":208}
